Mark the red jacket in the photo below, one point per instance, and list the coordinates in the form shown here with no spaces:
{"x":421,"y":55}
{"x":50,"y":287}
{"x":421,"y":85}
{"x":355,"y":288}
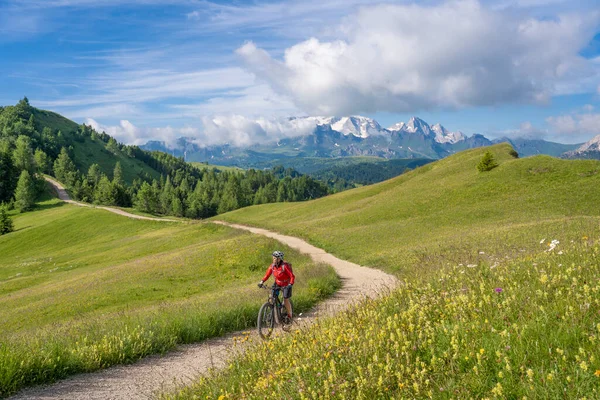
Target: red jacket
{"x":283,"y":274}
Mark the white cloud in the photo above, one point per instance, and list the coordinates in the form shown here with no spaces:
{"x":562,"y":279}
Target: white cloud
{"x":105,"y":111}
{"x":404,"y":58}
{"x":253,"y":101}
{"x":575,"y":128}
{"x":234,"y":129}
{"x":241,"y":131}
{"x":588,"y":108}
{"x":128,"y":133}
{"x":193,"y":15}
{"x":148,"y":85}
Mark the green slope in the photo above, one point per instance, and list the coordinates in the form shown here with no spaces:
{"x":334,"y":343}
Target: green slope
{"x":54,"y":121}
{"x":87,"y":151}
{"x":82,"y":289}
{"x":499,"y":294}
{"x":446,"y":208}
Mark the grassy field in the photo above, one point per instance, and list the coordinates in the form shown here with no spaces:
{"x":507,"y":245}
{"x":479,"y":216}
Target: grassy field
{"x":444,"y":212}
{"x":523,"y":329}
{"x":500,"y":294}
{"x":206,"y":166}
{"x":82,"y":289}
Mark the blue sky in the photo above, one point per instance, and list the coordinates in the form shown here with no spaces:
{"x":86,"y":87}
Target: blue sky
{"x":149,"y":69}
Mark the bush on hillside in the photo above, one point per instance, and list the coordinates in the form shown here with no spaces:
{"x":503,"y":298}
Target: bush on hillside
{"x":487,"y":162}
{"x":513,"y":153}
{"x":6,"y":224}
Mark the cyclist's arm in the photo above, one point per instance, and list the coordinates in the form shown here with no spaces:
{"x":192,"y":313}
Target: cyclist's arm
{"x":292,"y":276}
{"x":268,"y":274}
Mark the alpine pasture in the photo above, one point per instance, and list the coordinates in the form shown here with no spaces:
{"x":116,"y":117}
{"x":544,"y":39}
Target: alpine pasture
{"x":500,"y":296}
{"x":82,"y":289}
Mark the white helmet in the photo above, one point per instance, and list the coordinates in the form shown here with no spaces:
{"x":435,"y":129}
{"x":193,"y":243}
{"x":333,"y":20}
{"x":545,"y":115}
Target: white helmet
{"x":278,"y":254}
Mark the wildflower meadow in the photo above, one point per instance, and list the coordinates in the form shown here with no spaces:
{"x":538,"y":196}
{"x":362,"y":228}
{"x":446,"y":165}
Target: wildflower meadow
{"x":525,"y":328}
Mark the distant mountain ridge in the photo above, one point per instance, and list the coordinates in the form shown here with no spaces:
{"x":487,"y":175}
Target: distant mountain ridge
{"x":356,"y":136}
{"x":590,"y":149}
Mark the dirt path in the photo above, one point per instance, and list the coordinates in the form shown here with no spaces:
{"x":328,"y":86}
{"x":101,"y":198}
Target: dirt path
{"x":64,"y":196}
{"x":179,"y":367}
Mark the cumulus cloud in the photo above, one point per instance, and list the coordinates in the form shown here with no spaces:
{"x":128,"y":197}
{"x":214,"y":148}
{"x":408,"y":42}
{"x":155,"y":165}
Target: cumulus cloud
{"x":404,"y":58}
{"x":242,"y":131}
{"x":236,"y":130}
{"x":575,"y":127}
{"x":128,"y":133}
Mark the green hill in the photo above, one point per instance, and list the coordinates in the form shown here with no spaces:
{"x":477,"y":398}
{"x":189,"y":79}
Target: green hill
{"x":62,"y":132}
{"x":499,"y":294}
{"x":82,"y":289}
{"x":95,"y":168}
{"x":446,"y":208}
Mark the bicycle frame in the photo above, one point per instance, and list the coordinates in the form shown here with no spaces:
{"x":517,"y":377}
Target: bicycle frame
{"x":275,"y":298}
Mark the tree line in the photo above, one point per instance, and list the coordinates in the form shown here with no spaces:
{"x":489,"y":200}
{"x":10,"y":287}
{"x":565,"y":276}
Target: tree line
{"x":27,"y":152}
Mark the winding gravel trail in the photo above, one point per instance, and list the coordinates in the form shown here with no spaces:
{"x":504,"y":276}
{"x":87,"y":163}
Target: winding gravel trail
{"x":64,"y":196}
{"x":180,"y":366}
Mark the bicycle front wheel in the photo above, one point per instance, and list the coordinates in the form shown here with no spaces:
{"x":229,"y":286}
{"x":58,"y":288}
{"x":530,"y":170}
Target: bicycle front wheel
{"x":266,"y":320}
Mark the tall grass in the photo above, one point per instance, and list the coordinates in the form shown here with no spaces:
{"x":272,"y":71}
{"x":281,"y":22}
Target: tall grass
{"x":490,"y":306}
{"x":83,"y":289}
{"x":524,"y":328}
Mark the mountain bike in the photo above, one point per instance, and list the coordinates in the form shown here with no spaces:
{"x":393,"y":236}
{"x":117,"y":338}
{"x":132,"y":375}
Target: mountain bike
{"x":273,"y":311}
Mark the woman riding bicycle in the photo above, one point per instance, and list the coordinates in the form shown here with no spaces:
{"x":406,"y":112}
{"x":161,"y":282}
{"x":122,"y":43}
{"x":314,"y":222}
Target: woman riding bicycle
{"x":284,"y":278}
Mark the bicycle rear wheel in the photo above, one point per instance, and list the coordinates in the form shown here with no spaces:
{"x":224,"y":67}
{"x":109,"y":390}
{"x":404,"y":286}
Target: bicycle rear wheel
{"x":266,"y":320}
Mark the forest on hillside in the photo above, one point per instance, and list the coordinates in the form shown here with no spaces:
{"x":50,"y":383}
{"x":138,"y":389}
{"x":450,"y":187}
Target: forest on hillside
{"x":30,"y":148}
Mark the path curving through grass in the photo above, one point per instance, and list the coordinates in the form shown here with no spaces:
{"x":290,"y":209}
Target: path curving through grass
{"x":181,"y":366}
{"x":64,"y":196}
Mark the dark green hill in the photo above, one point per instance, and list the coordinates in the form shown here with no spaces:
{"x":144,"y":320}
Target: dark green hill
{"x":95,"y":168}
{"x":50,"y":132}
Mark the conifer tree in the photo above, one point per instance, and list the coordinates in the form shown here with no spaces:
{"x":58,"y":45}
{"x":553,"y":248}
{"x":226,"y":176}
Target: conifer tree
{"x":6,"y":224}
{"x":118,"y":174}
{"x":112,"y":146}
{"x":94,"y":174}
{"x":42,"y":162}
{"x":105,"y":192}
{"x":147,"y":199}
{"x":64,"y":169}
{"x":23,"y":155}
{"x":25,"y":193}
{"x":8,"y":173}
{"x":487,"y":162}
{"x":166,"y":197}
{"x":177,"y":206}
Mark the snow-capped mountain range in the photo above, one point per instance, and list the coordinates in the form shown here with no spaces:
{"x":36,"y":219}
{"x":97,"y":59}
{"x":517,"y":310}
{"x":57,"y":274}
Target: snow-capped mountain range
{"x":364,"y":127}
{"x":353,"y":136}
{"x":358,"y":126}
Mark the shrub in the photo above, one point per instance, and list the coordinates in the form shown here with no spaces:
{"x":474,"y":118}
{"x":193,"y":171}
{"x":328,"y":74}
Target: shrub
{"x":487,"y":162}
{"x":513,"y":153}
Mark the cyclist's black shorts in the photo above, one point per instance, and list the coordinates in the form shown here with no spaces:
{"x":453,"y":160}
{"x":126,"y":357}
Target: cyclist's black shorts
{"x":287,"y":292}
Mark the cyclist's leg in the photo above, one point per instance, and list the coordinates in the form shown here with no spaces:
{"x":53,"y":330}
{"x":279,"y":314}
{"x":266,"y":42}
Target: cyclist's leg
{"x":287,"y":294}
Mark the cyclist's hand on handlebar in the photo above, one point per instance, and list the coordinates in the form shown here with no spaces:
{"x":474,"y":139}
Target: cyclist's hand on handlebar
{"x":260,"y":284}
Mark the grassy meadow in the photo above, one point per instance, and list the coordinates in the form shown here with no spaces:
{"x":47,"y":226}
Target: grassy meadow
{"x":444,"y":212}
{"x":82,"y":289}
{"x":500,"y":295}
